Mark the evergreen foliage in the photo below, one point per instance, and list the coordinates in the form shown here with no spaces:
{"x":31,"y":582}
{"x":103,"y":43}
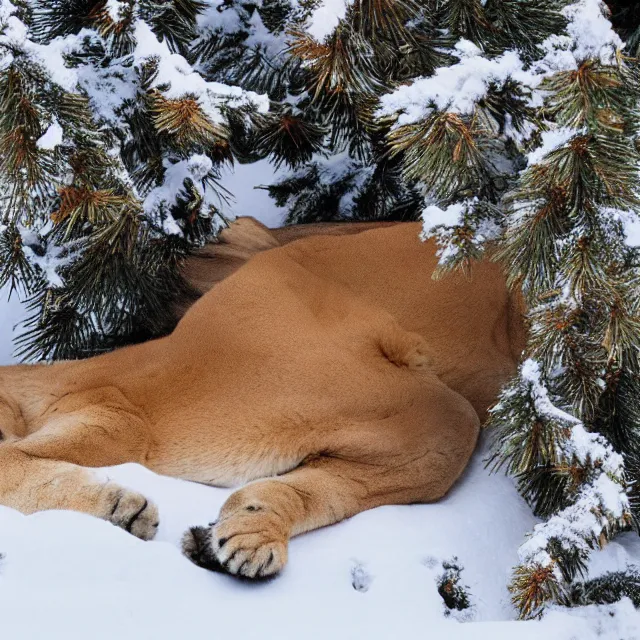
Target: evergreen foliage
{"x":510,"y":127}
{"x":606,"y":589}
{"x":110,"y":149}
{"x":454,"y":594}
{"x":565,"y":247}
{"x":625,"y":17}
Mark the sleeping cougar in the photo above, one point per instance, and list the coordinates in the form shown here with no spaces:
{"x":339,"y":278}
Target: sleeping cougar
{"x":323,"y":363}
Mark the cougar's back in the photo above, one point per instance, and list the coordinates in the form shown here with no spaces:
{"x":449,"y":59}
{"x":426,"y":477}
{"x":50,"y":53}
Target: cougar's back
{"x":473,"y":325}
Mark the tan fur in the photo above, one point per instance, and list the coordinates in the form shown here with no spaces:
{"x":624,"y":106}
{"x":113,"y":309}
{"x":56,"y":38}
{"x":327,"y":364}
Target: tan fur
{"x":332,"y":371}
{"x":242,"y":240}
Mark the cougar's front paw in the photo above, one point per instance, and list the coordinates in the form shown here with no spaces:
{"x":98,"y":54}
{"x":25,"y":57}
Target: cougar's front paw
{"x":129,"y":510}
{"x":248,"y":547}
{"x":249,"y":542}
{"x":249,"y":539}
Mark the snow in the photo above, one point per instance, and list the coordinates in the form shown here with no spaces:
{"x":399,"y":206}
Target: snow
{"x":196,"y":169}
{"x":589,"y":35}
{"x":51,"y":138}
{"x":173,"y":69}
{"x":630,"y":221}
{"x":218,"y":18}
{"x":601,"y":504}
{"x":590,"y":31}
{"x":243,"y":181}
{"x":325,"y":18}
{"x":530,"y":372}
{"x":14,"y":35}
{"x":115,"y":8}
{"x":222,"y":20}
{"x":110,"y":88}
{"x":65,"y":574}
{"x":433,"y":216}
{"x":441,"y":223}
{"x":632,"y":230}
{"x":457,"y":88}
{"x":552,"y":139}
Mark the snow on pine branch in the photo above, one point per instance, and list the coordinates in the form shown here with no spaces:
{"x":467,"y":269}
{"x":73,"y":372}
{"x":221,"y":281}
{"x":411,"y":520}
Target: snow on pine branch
{"x":109,"y":88}
{"x":248,"y":40}
{"x":174,"y":70}
{"x":460,"y":222}
{"x":601,"y":505}
{"x":325,"y":18}
{"x":14,"y":36}
{"x":52,"y":137}
{"x":115,"y":9}
{"x":591,"y":33}
{"x":551,"y":139}
{"x":458,"y":88}
{"x":630,"y":221}
{"x":195,"y":171}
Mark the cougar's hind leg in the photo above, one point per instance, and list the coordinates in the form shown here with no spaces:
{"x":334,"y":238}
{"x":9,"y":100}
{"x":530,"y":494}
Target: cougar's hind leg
{"x":48,"y":469}
{"x":413,"y":456}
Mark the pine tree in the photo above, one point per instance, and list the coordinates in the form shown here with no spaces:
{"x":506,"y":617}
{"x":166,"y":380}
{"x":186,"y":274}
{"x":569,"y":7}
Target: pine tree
{"x":569,"y":426}
{"x":110,"y":147}
{"x":508,"y":126}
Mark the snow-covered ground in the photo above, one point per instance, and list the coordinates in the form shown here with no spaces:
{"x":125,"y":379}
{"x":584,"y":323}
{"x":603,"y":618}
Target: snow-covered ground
{"x":67,"y":575}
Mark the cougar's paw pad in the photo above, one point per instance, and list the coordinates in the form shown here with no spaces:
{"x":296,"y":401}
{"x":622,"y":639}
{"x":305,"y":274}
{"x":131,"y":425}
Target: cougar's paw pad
{"x":132,"y":512}
{"x":251,"y":554}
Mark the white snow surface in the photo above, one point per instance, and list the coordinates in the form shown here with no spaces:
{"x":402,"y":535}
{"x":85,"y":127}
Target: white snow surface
{"x":325,"y":17}
{"x":68,"y":575}
{"x":52,"y":137}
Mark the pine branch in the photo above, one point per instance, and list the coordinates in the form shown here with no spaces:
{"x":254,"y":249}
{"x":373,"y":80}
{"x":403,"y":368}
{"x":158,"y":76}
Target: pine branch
{"x":443,"y":154}
{"x":606,"y":589}
{"x":532,"y":434}
{"x":173,"y":21}
{"x":468,"y":19}
{"x":289,"y":138}
{"x":507,"y":17}
{"x":15,"y":269}
{"x":184,"y":123}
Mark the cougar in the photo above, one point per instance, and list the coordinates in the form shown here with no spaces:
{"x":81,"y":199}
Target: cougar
{"x":323,"y":371}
